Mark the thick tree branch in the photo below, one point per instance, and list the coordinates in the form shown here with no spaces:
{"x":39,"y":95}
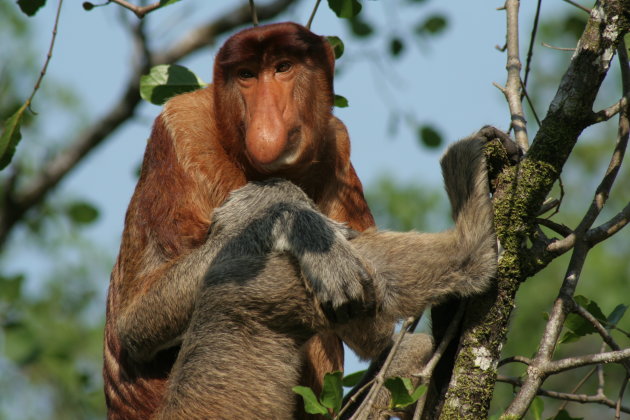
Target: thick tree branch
{"x":55,"y":170}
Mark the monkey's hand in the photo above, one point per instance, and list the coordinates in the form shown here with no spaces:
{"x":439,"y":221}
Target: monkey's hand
{"x":340,"y":279}
{"x":277,"y":216}
{"x":489,"y":133}
{"x":500,"y":151}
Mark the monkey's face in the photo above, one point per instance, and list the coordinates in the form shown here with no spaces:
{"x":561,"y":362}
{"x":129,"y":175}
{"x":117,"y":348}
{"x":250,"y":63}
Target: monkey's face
{"x":275,"y":83}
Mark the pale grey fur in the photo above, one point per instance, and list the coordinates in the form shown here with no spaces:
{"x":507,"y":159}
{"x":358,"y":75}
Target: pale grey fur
{"x":240,"y":356}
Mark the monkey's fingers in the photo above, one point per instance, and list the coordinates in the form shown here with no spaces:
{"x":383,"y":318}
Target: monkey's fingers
{"x":353,"y":306}
{"x":489,"y":133}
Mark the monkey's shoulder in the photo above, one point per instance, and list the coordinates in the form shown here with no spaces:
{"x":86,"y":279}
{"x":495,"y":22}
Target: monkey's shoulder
{"x":194,"y":107}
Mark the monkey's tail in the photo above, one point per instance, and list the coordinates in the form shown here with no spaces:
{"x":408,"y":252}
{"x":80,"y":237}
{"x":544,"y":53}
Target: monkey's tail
{"x":466,"y":183}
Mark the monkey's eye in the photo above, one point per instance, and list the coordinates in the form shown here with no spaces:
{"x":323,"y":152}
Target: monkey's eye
{"x":283,"y":66}
{"x":245,"y":74}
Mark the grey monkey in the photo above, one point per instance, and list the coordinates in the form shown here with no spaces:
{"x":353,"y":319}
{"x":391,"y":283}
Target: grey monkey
{"x":271,"y":256}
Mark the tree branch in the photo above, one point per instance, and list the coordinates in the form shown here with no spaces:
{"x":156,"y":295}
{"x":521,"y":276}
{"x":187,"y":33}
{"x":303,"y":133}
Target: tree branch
{"x":140,"y":11}
{"x":603,"y":332}
{"x":365,"y":408}
{"x":428,"y":369}
{"x":581,"y":398}
{"x":568,"y":363}
{"x":512,"y":90}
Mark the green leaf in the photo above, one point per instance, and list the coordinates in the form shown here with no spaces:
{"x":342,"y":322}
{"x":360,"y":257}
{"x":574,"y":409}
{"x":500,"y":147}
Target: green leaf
{"x":345,"y":8}
{"x":311,"y":404}
{"x":403,"y":393}
{"x":30,"y":7}
{"x":569,"y":337}
{"x":81,"y":212}
{"x":433,"y":25}
{"x":578,"y":327}
{"x":429,"y":136}
{"x":332,"y":391}
{"x":164,"y":3}
{"x":360,"y":28}
{"x":165,"y":81}
{"x":591,"y":306}
{"x":418,"y":392}
{"x":537,"y":407}
{"x":352,"y":379}
{"x":10,"y":137}
{"x":341,"y":102}
{"x":337,"y":45}
{"x":396,"y":46}
{"x":616,"y":315}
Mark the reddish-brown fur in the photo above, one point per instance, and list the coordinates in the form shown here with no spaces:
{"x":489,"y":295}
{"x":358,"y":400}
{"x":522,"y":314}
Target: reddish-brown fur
{"x":200,"y":149}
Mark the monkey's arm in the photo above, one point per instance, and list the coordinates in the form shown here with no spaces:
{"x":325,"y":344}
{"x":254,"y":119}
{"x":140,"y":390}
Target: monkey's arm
{"x":157,"y":316}
{"x":415,"y":270}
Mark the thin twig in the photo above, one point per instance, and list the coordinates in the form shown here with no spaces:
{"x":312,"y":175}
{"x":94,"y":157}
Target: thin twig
{"x":139,"y":11}
{"x":608,"y":113}
{"x":603,"y":332}
{"x":624,"y":384}
{"x":252,"y":6}
{"x":579,"y":6}
{"x":530,"y":51}
{"x":549,"y":204}
{"x":578,"y":386}
{"x":581,"y":398}
{"x":513,"y":85}
{"x":364,"y":409}
{"x":515,"y":359}
{"x":355,"y":397}
{"x":544,"y":44}
{"x":608,"y":229}
{"x":310,"y":19}
{"x":48,"y":57}
{"x":562,"y":365}
{"x":530,"y":103}
{"x":427,"y":371}
{"x":556,"y":227}
{"x":601,"y":378}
